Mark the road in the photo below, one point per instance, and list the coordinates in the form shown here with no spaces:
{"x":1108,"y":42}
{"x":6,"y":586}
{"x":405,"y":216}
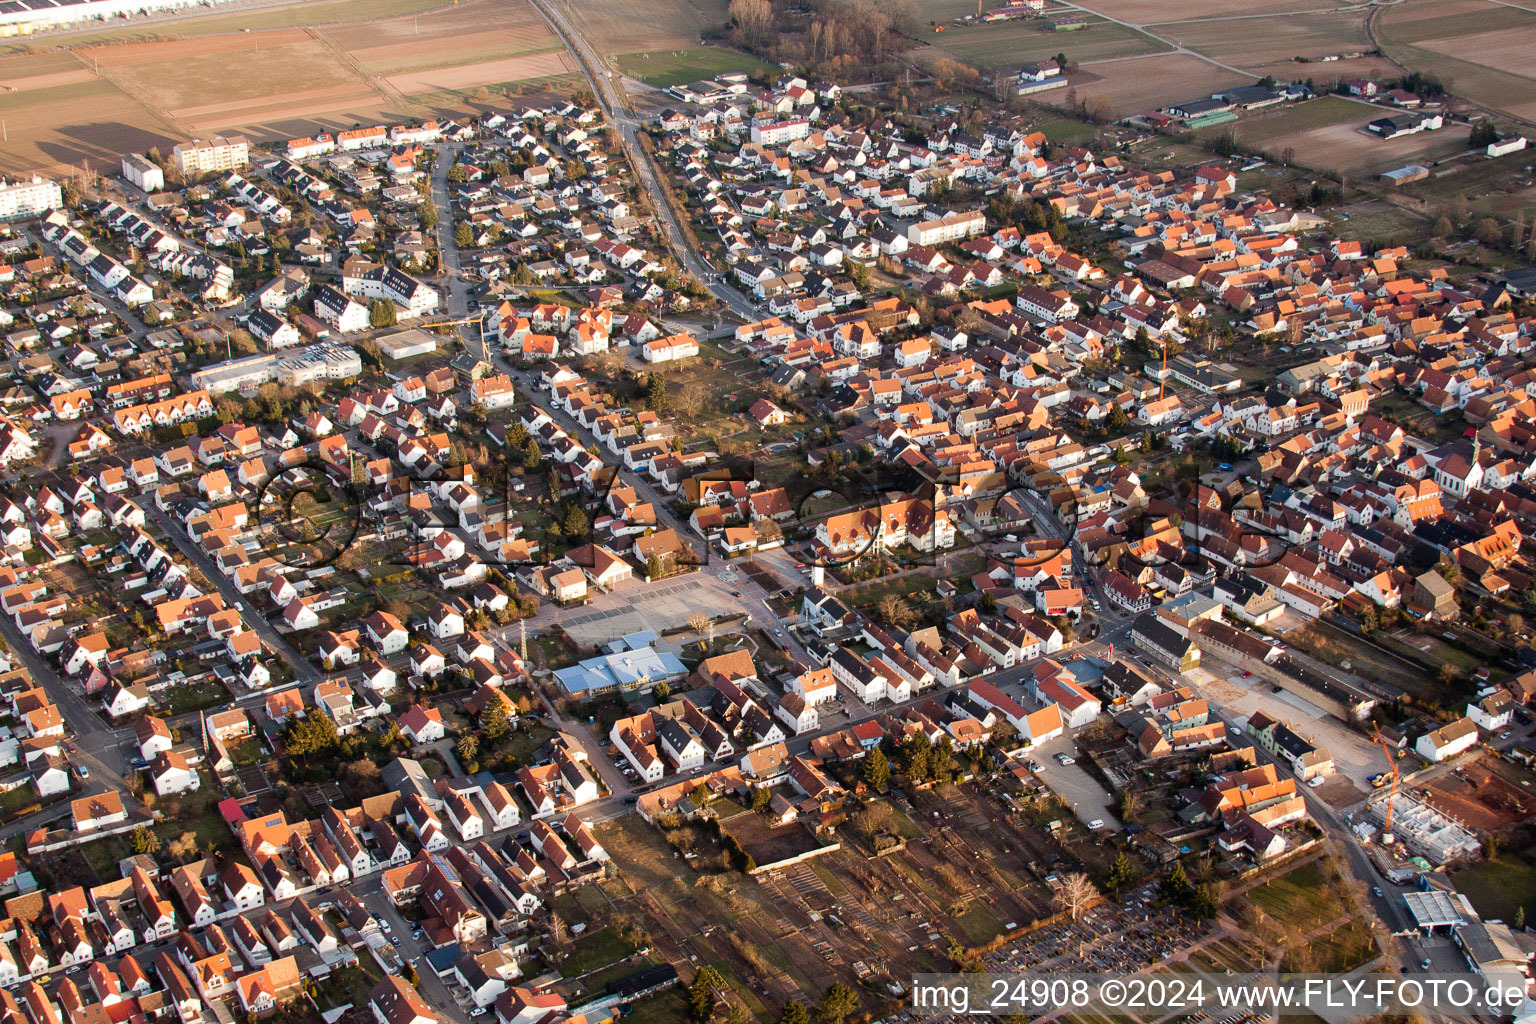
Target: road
{"x":95,"y":744}
{"x":623,"y":119}
{"x":304,"y":670}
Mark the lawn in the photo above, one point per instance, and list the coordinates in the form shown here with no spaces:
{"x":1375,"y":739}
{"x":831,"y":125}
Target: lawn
{"x":664,"y":68}
{"x":594,"y":952}
{"x":1296,"y":897}
{"x":1288,"y":119}
{"x":1498,"y":887}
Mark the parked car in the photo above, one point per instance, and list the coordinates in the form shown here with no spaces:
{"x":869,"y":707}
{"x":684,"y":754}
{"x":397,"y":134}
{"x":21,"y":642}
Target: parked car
{"x":1096,"y":823}
{"x":1315,"y":781}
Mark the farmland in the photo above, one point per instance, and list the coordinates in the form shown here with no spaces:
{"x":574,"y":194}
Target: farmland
{"x":96,"y":101}
{"x":1000,"y":45}
{"x":665,"y":68}
{"x":1136,"y":84}
{"x":1328,"y":133}
{"x":1482,"y":50}
{"x":645,"y":25}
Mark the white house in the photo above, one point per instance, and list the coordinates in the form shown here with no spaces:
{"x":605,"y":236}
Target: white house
{"x":1447,"y":741}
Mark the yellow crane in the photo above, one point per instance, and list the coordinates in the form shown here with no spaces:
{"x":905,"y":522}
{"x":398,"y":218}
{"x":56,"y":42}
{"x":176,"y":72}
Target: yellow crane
{"x":1386,"y":829}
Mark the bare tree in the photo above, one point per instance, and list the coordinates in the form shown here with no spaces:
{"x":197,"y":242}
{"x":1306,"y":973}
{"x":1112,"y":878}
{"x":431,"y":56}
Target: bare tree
{"x":1076,"y":892}
{"x":1074,"y":895}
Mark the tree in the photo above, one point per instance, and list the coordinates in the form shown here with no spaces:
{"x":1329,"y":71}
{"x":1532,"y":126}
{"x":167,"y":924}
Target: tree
{"x":762,"y":799}
{"x":895,"y":610}
{"x":1489,"y":232}
{"x":877,"y":770}
{"x":1520,"y":918}
{"x":183,"y":846}
{"x":653,"y":566}
{"x":361,"y":779}
{"x":838,"y":1002}
{"x":874,"y":819}
{"x":573,"y":523}
{"x":463,"y":234}
{"x":408,"y":972}
{"x":312,"y":734}
{"x":662,"y":690}
{"x":145,"y":841}
{"x":493,"y":721}
{"x":794,"y":1013}
{"x":1176,"y":887}
{"x":381,"y":313}
{"x":1121,"y":873}
{"x":532,"y":457}
{"x":467,"y":747}
{"x":658,"y":397}
{"x":1075,"y":893}
{"x":701,"y":993}
{"x":1482,"y":135}
{"x":427,"y":214}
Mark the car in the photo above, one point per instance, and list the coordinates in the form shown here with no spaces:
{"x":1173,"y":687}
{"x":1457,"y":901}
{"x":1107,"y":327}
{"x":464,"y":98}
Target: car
{"x":799,"y":565}
{"x":1376,"y":891}
{"x":1096,"y":823}
{"x":1504,"y":735}
{"x":1065,"y":759}
{"x":478,"y":1011}
{"x":1316,"y":781}
{"x":778,"y":633}
{"x":83,"y":771}
{"x":631,"y":799}
{"x":394,"y":940}
{"x":1225,"y":467}
{"x":385,"y":925}
{"x":1424,"y":964}
{"x":1247,"y":674}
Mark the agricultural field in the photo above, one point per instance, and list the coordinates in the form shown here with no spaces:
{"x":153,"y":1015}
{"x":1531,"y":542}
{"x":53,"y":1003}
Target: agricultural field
{"x":664,"y":68}
{"x":1481,"y":50}
{"x":1328,"y":134}
{"x":178,"y":78}
{"x":1005,"y":45}
{"x":62,"y":115}
{"x":259,"y":74}
{"x":1137,"y":84}
{"x":1266,"y":43}
{"x":645,"y":25}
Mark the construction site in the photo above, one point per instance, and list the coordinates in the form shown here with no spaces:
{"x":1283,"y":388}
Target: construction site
{"x":1418,"y":827}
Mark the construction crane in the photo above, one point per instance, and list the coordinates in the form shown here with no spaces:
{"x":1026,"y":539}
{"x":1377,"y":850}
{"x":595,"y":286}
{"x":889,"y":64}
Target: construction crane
{"x":1386,"y":829}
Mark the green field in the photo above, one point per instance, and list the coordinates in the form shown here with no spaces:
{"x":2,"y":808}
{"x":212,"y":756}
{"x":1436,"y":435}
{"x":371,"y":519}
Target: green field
{"x":1003,"y":45}
{"x":1498,"y":887}
{"x":664,"y":68}
{"x":1291,"y":118}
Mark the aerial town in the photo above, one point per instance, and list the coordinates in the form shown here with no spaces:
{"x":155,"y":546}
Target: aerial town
{"x":722,"y":555}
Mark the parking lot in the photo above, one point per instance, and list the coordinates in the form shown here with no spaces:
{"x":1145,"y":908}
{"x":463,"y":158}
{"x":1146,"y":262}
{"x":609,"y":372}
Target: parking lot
{"x":1087,"y":797}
